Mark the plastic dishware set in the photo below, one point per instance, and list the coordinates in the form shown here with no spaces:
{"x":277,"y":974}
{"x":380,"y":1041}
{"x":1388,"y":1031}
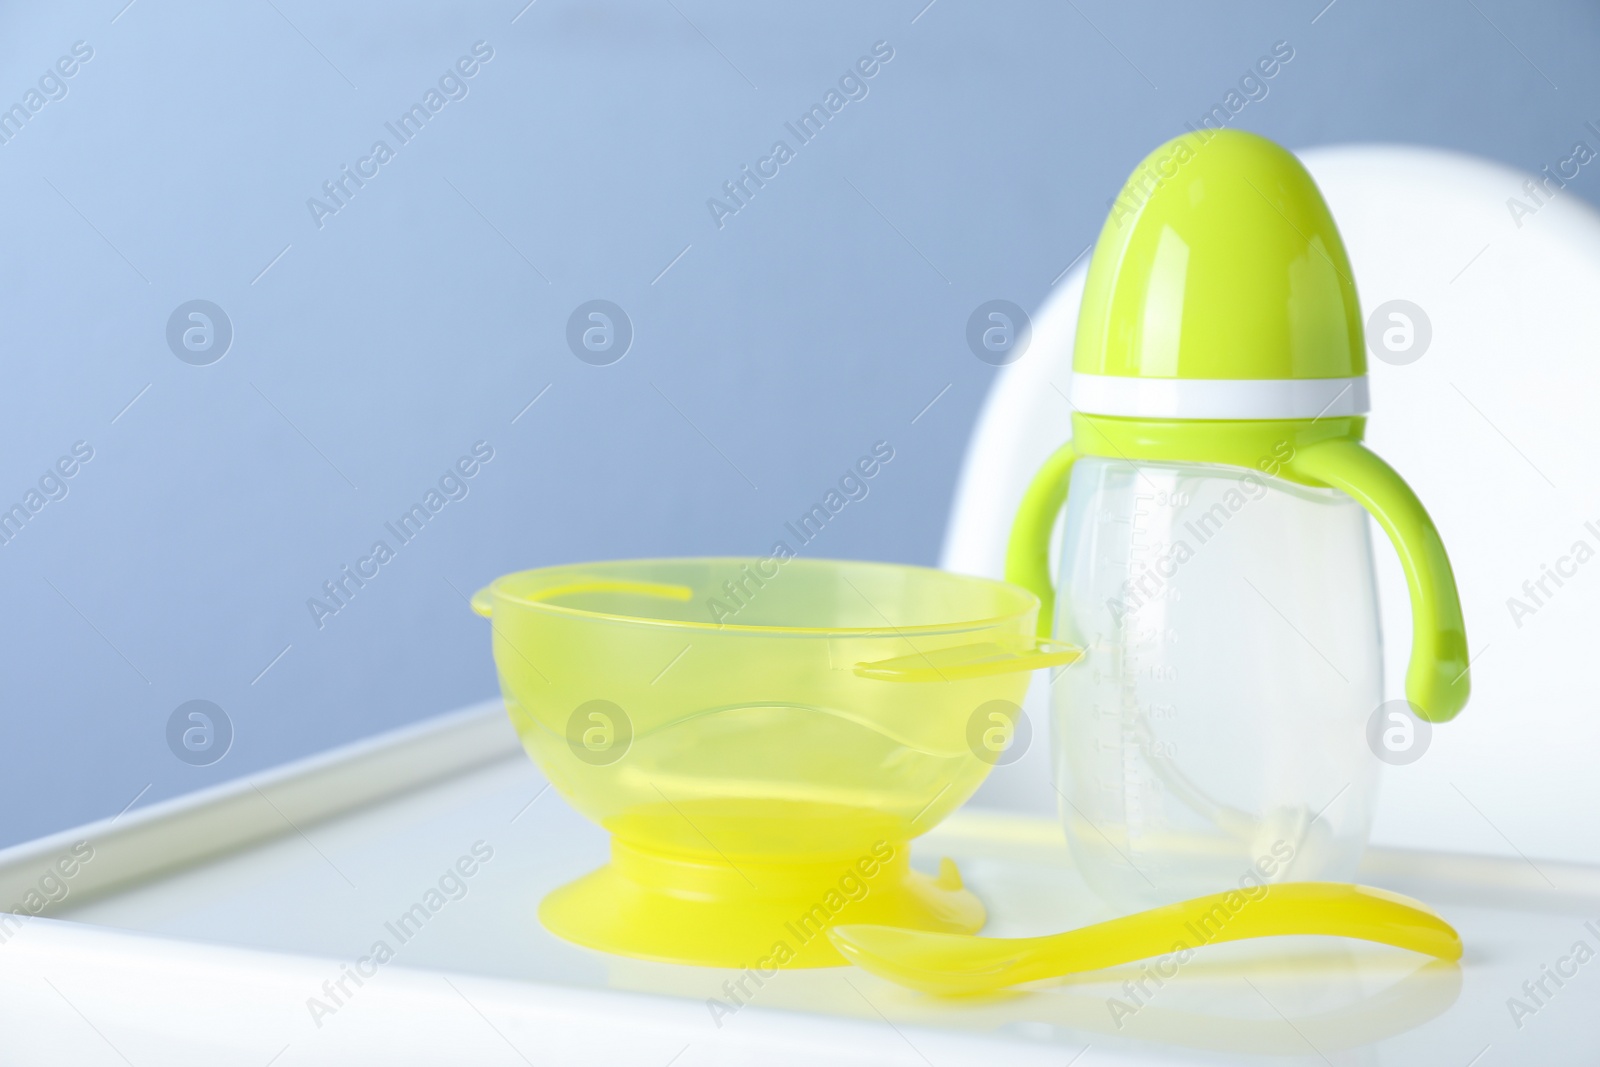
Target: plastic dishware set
{"x":1213,"y":618}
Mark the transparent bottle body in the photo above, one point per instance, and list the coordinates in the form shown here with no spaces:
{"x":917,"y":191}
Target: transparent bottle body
{"x":1213,"y":734}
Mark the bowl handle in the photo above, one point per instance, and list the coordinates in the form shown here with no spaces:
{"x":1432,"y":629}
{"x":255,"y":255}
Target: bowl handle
{"x":971,"y":661}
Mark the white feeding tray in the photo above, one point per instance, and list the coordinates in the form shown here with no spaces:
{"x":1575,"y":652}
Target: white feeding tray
{"x":377,"y":905}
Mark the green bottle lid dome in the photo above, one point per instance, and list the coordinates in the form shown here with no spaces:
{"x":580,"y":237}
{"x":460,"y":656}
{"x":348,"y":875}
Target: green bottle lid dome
{"x":1220,"y":289}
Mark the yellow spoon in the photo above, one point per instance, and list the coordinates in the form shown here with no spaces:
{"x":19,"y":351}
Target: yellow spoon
{"x":963,"y":963}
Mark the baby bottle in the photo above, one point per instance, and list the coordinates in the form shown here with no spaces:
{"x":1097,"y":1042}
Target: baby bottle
{"x":1215,"y":560}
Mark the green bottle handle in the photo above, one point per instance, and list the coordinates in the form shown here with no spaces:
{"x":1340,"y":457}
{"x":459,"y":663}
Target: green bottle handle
{"x":1028,"y":550}
{"x":1437,"y":682}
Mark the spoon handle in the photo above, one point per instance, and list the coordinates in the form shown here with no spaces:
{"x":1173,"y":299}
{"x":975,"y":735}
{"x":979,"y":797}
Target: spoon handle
{"x":1332,"y":908}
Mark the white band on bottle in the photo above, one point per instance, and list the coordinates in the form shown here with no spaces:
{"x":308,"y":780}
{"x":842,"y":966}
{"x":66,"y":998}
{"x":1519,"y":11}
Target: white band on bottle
{"x":1219,"y":398}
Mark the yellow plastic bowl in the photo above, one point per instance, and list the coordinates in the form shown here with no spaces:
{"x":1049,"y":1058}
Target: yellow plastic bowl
{"x":755,"y":733}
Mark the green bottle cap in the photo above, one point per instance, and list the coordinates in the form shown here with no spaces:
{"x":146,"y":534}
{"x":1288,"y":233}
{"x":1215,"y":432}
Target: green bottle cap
{"x":1220,"y":289}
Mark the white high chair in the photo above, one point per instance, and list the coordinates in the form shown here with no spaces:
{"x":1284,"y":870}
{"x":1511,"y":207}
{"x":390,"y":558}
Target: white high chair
{"x":226,"y":925}
{"x":1494,"y":427}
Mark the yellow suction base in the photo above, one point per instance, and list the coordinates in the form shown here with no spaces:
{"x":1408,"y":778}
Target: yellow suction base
{"x":741,"y":911}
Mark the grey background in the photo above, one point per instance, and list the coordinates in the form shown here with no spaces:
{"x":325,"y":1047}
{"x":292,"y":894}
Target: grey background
{"x":822,"y":318}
